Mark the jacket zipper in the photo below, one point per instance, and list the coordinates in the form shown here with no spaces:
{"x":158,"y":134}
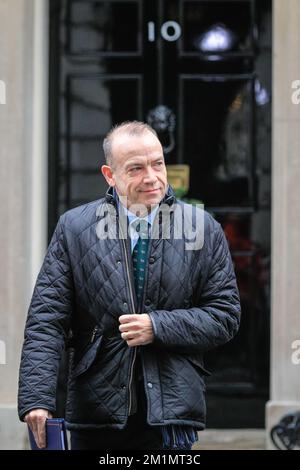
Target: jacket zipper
{"x":144,"y":293}
{"x":133,"y":309}
{"x":94,"y":334}
{"x":140,"y":306}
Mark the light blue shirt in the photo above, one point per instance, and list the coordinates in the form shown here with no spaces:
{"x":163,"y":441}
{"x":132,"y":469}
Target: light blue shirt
{"x":132,"y":218}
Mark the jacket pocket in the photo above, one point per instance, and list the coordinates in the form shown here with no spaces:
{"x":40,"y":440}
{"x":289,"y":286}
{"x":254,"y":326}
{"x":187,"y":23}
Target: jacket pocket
{"x":88,"y":357}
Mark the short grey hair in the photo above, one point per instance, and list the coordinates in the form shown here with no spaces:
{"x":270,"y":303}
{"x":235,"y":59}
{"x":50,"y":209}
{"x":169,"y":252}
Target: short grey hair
{"x":129,"y":127}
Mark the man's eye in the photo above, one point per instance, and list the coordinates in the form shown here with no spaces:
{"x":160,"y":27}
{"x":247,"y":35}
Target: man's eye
{"x":158,"y":163}
{"x":135,"y":168}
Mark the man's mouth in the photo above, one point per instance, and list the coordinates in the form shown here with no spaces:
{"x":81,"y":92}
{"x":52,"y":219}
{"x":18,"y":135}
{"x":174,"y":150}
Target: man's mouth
{"x":151,"y":190}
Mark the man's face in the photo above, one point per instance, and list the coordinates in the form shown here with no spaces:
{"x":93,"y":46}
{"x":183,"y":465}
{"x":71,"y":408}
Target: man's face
{"x":138,"y":170}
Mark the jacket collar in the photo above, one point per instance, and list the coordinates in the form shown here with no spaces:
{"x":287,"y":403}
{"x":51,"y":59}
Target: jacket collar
{"x":111,"y":196}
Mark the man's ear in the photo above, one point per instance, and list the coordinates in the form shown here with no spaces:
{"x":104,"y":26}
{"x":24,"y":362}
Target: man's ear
{"x":108,"y":175}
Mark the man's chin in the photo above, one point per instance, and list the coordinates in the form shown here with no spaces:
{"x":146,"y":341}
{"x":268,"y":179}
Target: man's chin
{"x":151,"y":198}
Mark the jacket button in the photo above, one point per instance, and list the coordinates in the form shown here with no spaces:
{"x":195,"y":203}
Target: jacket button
{"x":125,"y":305}
{"x":118,"y":262}
{"x":148,"y":302}
{"x":123,"y":387}
{"x":149,"y":385}
{"x":151,"y":260}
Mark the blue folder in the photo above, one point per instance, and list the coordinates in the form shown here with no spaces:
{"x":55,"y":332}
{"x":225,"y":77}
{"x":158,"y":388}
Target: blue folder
{"x":56,"y":436}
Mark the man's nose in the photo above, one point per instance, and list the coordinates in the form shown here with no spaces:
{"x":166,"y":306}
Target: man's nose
{"x":150,"y":176}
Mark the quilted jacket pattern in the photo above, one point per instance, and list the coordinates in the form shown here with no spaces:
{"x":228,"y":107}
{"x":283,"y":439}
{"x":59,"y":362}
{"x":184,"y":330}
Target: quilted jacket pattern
{"x":85,"y":284}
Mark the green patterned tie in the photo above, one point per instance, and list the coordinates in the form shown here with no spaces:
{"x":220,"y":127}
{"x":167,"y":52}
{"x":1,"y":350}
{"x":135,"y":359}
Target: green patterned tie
{"x":139,"y":257}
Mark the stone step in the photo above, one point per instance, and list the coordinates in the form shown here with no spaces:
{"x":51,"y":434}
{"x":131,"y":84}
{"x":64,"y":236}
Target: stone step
{"x":231,"y":439}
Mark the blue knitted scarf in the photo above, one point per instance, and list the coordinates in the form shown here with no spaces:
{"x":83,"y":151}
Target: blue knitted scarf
{"x":178,"y":436}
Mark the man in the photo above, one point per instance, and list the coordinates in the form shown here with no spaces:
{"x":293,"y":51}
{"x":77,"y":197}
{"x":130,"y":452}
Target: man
{"x":142,"y":309}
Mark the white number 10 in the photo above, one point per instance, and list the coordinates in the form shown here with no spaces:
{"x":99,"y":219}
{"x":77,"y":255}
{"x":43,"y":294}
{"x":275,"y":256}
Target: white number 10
{"x":170,"y":31}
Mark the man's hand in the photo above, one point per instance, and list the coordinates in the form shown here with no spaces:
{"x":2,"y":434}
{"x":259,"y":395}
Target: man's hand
{"x":136,"y":330}
{"x":36,"y":421}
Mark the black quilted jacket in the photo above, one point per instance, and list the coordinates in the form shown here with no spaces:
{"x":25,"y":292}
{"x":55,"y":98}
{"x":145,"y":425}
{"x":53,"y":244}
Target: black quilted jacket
{"x":86,"y":283}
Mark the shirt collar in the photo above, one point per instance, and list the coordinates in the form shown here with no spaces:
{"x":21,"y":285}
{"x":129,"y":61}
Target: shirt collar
{"x":133,"y":217}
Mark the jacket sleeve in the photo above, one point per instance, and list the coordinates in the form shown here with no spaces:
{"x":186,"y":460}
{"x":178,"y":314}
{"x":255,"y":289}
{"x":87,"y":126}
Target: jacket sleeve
{"x":215,"y":320}
{"x":47,"y":326}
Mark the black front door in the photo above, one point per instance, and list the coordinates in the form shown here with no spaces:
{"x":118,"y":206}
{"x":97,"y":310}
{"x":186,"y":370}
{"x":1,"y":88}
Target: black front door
{"x":198,"y":71}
